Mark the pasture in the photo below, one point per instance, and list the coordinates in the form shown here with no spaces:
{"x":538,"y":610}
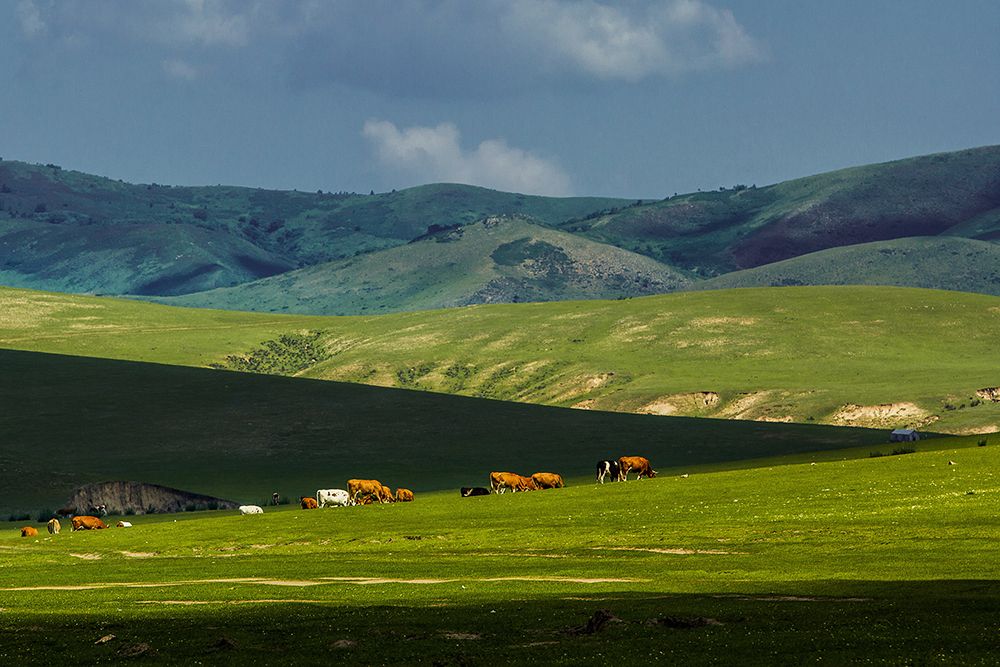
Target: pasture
{"x":881,"y":357}
{"x":890,"y":560}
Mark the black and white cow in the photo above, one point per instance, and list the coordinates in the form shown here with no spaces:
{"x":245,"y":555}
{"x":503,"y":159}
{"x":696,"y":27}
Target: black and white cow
{"x":605,"y":468}
{"x":474,"y":491}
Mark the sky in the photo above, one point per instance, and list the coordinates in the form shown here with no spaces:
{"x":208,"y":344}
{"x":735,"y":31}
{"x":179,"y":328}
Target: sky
{"x":636,"y":98}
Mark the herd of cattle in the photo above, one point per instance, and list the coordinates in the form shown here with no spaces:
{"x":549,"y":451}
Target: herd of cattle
{"x":368,"y":491}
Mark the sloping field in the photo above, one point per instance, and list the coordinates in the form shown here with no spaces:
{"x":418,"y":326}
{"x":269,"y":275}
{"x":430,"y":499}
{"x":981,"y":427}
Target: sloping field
{"x":863,"y":356}
{"x":882,"y":561}
{"x":67,"y":421}
{"x":936,"y":262}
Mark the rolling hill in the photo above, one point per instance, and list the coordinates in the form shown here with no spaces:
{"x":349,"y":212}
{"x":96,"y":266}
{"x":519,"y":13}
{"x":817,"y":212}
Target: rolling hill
{"x":937,"y":262}
{"x":160,"y":240}
{"x":495,"y":260}
{"x":67,"y":231}
{"x":712,"y":233}
{"x":863,"y":356}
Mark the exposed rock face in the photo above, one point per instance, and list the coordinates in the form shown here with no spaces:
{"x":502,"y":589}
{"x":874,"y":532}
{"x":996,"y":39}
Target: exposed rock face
{"x":989,"y":394}
{"x":141,"y":498}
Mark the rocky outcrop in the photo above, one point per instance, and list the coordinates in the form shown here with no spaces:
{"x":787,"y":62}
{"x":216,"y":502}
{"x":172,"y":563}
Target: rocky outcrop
{"x":989,"y":394}
{"x":142,"y":498}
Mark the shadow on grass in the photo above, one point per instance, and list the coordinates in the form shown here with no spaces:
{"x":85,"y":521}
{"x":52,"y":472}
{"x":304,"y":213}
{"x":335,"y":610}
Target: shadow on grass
{"x":913,"y":622}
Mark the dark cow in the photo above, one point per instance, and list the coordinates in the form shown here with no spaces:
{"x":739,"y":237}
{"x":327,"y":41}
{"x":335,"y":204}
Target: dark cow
{"x":468,"y":491}
{"x":605,"y":468}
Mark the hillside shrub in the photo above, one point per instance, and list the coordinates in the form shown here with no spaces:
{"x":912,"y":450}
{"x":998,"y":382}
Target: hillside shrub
{"x":19,"y":517}
{"x":44,"y":515}
{"x":286,"y":355}
{"x":903,"y":450}
{"x":875,"y":455}
{"x":981,"y":443}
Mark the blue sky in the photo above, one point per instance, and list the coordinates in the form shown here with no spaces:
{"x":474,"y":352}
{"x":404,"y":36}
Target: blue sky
{"x":633,"y":98}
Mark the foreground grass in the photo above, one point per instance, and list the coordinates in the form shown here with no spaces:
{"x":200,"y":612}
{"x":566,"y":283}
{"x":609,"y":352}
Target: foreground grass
{"x":787,"y":354}
{"x":888,"y":560}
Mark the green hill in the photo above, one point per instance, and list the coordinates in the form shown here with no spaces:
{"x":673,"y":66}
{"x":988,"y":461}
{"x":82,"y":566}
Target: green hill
{"x":73,"y":420}
{"x":496,"y":260}
{"x":866,"y":356}
{"x":937,"y":262}
{"x":69,"y":231}
{"x":711,"y":233}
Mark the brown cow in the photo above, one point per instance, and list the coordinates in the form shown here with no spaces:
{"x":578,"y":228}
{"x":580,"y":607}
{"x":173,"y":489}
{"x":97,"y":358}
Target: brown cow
{"x":404,"y":496}
{"x":359,"y":488}
{"x":637,"y":464}
{"x":547,"y":480}
{"x":28,"y":531}
{"x":309,"y":503}
{"x":385,"y":495}
{"x":88,"y":523}
{"x":501,"y":481}
{"x":54,"y":526}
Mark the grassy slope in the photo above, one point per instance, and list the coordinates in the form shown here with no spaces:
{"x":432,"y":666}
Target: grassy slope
{"x":72,"y":420}
{"x":491,"y":261}
{"x":69,"y":231}
{"x":768,"y":353}
{"x":717,"y":232}
{"x":949,"y":263}
{"x":882,"y":561}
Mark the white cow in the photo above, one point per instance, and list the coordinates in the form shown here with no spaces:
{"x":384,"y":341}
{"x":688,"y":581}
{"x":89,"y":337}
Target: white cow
{"x":124,"y":524}
{"x":333,"y":498}
{"x":251,"y":509}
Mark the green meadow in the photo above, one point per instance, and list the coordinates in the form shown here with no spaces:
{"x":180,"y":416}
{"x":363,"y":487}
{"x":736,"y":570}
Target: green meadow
{"x":857,"y":356}
{"x":889,"y":560}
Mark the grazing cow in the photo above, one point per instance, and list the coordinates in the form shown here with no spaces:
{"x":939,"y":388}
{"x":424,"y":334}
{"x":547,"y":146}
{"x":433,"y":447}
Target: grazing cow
{"x":308,"y":503}
{"x":547,"y":480}
{"x":28,"y":531}
{"x":361,"y":488}
{"x":251,"y":509}
{"x":501,"y":481}
{"x":606,"y":468}
{"x":404,"y":496}
{"x":123,"y":524}
{"x":333,"y":498}
{"x":54,"y":526}
{"x":88,"y":523}
{"x":469,"y":491}
{"x":637,"y":464}
{"x":385,"y":495}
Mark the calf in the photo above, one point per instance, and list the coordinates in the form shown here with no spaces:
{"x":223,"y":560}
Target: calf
{"x":29,"y":531}
{"x":605,"y":468}
{"x":251,"y":509}
{"x":54,"y":526}
{"x":637,"y":464}
{"x":88,"y":523}
{"x":308,"y":503}
{"x":469,"y":491}
{"x":404,"y":496}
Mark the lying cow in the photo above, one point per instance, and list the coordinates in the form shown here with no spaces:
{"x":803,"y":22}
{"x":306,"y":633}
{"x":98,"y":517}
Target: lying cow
{"x":124,"y":524}
{"x":29,"y":531}
{"x":637,"y":464}
{"x":88,"y":523}
{"x":54,"y":526}
{"x":547,"y":480}
{"x":469,"y":491}
{"x":333,"y":498}
{"x":251,"y":509}
{"x":608,"y":468}
{"x":501,"y":481}
{"x":404,"y":496}
{"x":308,"y":503}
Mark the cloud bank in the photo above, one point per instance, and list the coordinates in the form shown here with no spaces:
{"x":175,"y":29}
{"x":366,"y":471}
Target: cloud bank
{"x":429,"y":154}
{"x":410,"y":47}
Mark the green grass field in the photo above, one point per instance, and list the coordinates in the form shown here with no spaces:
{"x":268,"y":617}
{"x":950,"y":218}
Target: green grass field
{"x":864,"y":356}
{"x":889,"y":560}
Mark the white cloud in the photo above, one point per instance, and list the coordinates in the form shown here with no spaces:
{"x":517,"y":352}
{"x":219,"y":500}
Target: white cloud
{"x":30,"y":17}
{"x":180,"y":69}
{"x":616,"y":41}
{"x":431,"y":154}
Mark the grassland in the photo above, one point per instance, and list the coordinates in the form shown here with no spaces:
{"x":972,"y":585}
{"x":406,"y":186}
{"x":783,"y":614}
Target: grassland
{"x":890,"y":560}
{"x":864,"y":356}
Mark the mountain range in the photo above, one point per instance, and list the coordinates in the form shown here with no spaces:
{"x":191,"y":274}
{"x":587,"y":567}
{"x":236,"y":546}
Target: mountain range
{"x":929,"y":221}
